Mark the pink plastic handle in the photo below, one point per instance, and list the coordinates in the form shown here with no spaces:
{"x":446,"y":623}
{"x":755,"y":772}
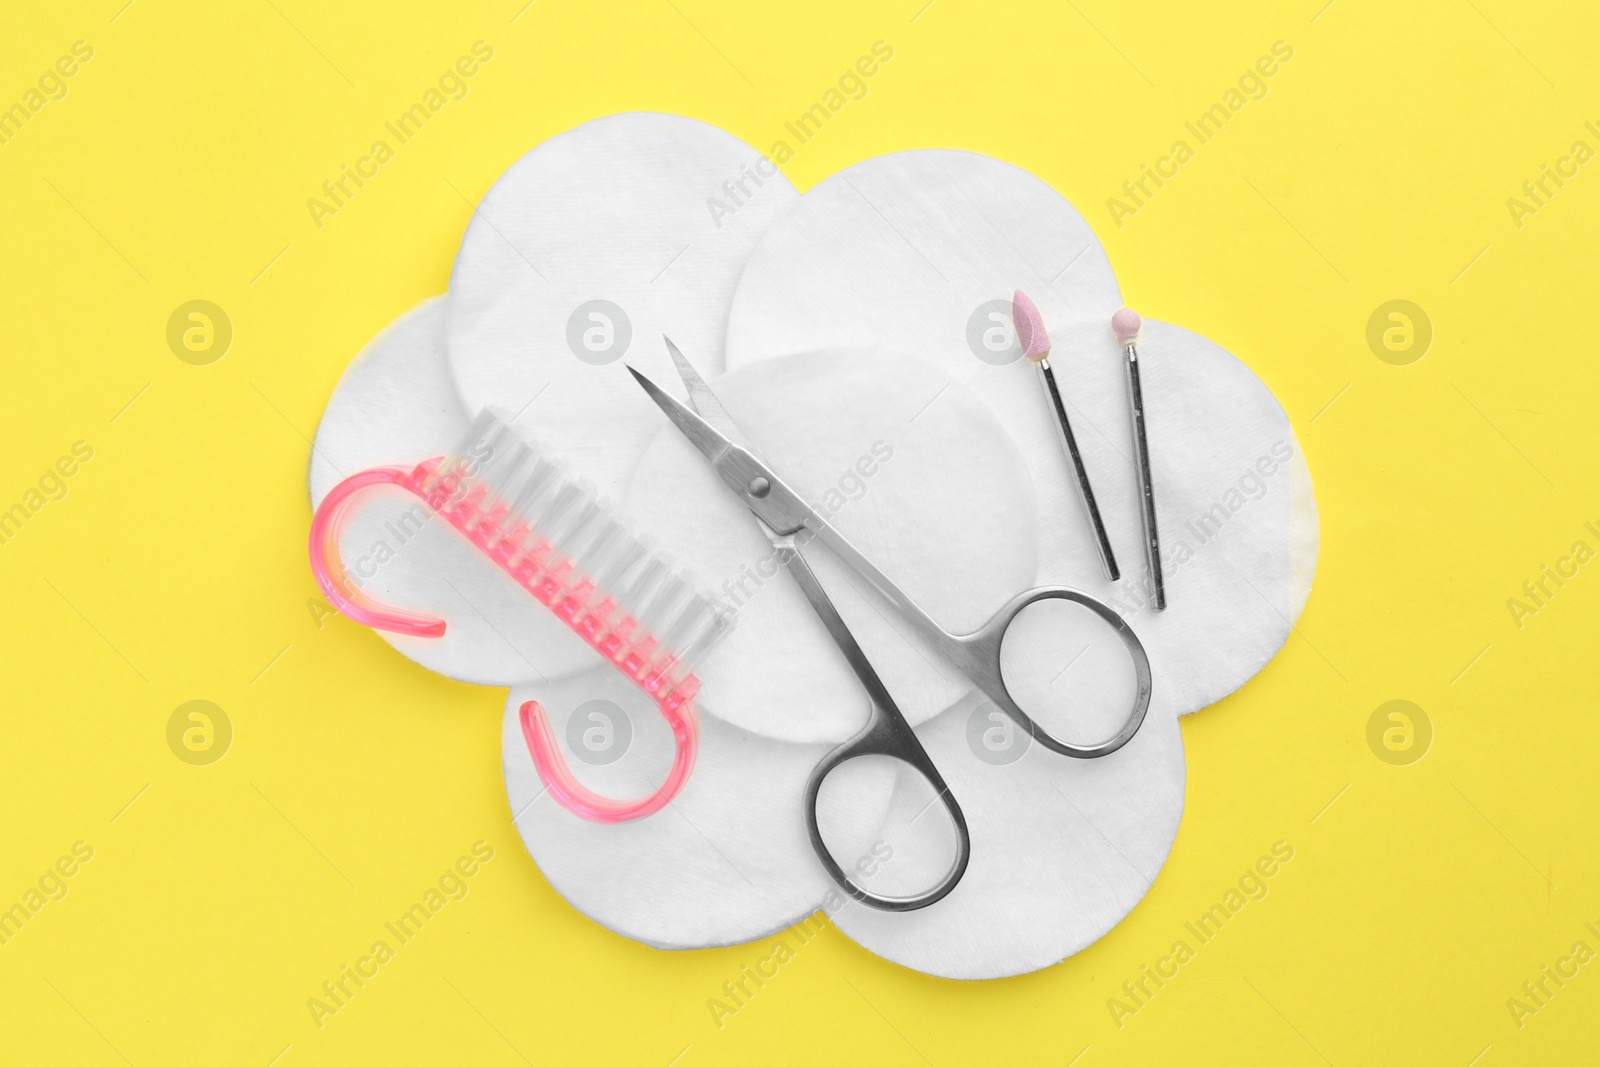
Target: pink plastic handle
{"x":583,"y":801}
{"x":612,"y":643}
{"x":329,"y":570}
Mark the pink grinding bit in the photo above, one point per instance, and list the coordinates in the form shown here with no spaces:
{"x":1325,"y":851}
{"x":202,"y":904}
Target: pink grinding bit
{"x":1125,"y":324}
{"x":1035,"y":342}
{"x":1031,"y":334}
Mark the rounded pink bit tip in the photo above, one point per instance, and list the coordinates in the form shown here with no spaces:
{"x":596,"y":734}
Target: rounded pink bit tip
{"x":1031,"y":334}
{"x":1125,"y":324}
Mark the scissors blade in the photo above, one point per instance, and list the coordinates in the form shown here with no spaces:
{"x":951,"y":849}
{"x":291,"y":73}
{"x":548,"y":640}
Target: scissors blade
{"x":704,"y":401}
{"x":711,"y":443}
{"x":781,"y":510}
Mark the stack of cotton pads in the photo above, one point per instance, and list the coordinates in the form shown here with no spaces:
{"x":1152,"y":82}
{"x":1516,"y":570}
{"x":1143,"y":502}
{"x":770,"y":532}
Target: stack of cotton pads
{"x":850,"y":333}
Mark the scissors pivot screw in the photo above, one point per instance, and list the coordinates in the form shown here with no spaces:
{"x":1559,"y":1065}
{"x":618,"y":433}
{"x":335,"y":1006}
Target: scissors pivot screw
{"x":759,"y":487}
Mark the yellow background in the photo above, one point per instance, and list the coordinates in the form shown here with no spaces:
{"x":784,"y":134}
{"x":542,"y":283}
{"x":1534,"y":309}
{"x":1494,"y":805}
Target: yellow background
{"x":1377,"y":168}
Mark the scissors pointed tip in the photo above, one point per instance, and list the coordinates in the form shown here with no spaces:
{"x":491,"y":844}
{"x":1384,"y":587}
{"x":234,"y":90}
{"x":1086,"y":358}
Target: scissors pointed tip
{"x":650,"y":387}
{"x":686,"y":370}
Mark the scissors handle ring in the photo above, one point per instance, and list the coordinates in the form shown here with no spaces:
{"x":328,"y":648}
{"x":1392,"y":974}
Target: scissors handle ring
{"x":887,"y":734}
{"x":978,"y":654}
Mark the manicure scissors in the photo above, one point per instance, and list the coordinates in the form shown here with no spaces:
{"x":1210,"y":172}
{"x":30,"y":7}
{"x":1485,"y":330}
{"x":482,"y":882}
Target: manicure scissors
{"x":788,"y":521}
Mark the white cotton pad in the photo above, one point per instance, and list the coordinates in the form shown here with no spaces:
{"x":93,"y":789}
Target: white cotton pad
{"x":921,"y":251}
{"x":1062,"y":848}
{"x":583,"y":254}
{"x":1237,"y":518}
{"x":922,"y":479}
{"x":727,"y":861}
{"x":395,"y":406}
{"x":912,"y":249}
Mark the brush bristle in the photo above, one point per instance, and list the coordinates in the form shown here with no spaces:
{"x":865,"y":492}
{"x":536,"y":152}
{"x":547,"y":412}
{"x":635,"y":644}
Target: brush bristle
{"x":1031,"y":334}
{"x":573,"y":550}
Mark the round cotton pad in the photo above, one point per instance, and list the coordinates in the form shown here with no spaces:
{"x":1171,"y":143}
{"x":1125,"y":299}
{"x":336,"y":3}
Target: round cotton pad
{"x":728,"y":860}
{"x":921,"y":250}
{"x":395,"y":405}
{"x":1062,"y":849}
{"x":583,"y":254}
{"x":1237,"y":519}
{"x":919,"y":477}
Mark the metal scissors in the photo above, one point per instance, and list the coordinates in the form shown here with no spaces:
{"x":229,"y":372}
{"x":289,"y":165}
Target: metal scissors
{"x":787,"y":520}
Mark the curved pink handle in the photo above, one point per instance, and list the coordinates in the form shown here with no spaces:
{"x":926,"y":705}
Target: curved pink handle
{"x":580,"y":799}
{"x":547,"y":758}
{"x":329,"y":568}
